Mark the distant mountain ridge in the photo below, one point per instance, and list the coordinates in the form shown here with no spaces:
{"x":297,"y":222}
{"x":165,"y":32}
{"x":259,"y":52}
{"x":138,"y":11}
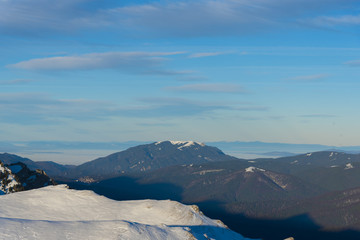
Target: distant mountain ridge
{"x":323,"y":158}
{"x":63,"y":151}
{"x":157,"y":155}
{"x":270,"y":188}
{"x":51,"y":168}
{"x":149,"y":157}
{"x":231,"y":181}
{"x":227,"y":186}
{"x":256,"y":149}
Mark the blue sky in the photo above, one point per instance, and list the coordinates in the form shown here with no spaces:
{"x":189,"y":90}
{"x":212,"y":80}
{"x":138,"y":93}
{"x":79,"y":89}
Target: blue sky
{"x":246,"y":70}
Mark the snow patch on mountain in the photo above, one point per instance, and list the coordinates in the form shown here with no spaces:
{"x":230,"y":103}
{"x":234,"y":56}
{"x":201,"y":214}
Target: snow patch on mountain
{"x":203,"y":172}
{"x":254,"y":169}
{"x":56,"y":212}
{"x":348,"y":166}
{"x":183,"y":144}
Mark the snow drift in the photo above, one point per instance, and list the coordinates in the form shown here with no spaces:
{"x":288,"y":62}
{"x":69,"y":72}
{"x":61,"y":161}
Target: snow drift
{"x":56,"y":212}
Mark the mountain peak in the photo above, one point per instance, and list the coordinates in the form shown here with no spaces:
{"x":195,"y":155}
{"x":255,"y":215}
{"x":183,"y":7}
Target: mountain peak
{"x":149,"y":157}
{"x":182,"y":144}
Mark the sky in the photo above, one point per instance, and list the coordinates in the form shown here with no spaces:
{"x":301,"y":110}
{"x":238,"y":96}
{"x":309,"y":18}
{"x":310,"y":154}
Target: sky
{"x":208,"y":70}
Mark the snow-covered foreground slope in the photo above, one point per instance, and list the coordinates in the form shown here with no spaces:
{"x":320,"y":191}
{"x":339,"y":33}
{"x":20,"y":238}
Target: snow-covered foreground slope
{"x":56,"y":212}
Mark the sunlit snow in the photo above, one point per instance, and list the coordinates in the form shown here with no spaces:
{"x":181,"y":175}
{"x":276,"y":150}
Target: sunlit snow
{"x":203,"y":172}
{"x":253,"y":169}
{"x":183,"y":144}
{"x":348,"y":166}
{"x":56,"y":212}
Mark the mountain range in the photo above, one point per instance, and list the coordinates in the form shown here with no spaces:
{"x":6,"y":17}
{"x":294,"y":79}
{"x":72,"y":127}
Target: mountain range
{"x":78,"y":152}
{"x":148,"y":157}
{"x":275,"y":194}
{"x":51,"y":168}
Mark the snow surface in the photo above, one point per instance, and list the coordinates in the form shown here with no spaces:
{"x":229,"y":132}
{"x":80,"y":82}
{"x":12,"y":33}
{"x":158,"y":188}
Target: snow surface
{"x":253,"y":169}
{"x":56,"y":212}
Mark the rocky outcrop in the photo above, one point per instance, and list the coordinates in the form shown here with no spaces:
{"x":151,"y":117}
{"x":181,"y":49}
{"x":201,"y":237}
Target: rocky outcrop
{"x":18,"y":177}
{"x":8,"y":182}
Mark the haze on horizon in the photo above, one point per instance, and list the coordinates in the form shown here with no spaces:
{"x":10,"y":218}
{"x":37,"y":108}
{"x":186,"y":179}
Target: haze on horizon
{"x":117,"y":71}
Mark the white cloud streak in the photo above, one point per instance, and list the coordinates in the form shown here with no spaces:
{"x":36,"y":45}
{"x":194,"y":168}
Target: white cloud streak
{"x":216,"y":17}
{"x":15,"y":81}
{"x":42,"y":109}
{"x":318,"y":116}
{"x":309,"y":78}
{"x":134,"y":62}
{"x":159,"y":18}
{"x":206,"y":54}
{"x":209,"y":88}
{"x":354,"y":63}
{"x":339,"y":20}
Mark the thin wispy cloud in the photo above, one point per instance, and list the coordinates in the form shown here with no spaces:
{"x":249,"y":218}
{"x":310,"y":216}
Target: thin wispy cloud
{"x":317,"y":116}
{"x":15,"y":81}
{"x":215,"y":17}
{"x":193,"y":18}
{"x":207,"y":54}
{"x":196,"y":107}
{"x":39,"y":109}
{"x":334,"y":21}
{"x":192,"y":78}
{"x":309,"y":78}
{"x":164,"y":103}
{"x":183,"y":73}
{"x":209,"y":88}
{"x":159,"y":18}
{"x":46,"y":17}
{"x":353,"y":63}
{"x":162,"y":124}
{"x":133,"y":62}
{"x":252,"y":108}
